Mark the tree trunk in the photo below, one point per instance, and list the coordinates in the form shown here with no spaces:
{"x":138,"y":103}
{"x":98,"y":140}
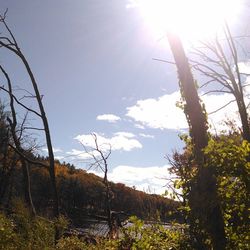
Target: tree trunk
{"x":47,"y":135}
{"x":107,"y":202}
{"x":13,"y":46}
{"x":244,"y":119}
{"x":5,"y":180}
{"x":203,"y":200}
{"x":26,"y":185}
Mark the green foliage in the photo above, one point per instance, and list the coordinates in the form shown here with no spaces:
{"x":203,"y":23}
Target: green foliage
{"x":227,"y":156}
{"x":21,"y":231}
{"x":8,"y":237}
{"x":230,"y":156}
{"x":61,"y":224}
{"x":71,"y":243}
{"x":142,"y":236}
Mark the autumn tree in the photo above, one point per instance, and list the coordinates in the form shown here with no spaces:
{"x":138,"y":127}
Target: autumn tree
{"x":17,"y":142}
{"x":8,"y":158}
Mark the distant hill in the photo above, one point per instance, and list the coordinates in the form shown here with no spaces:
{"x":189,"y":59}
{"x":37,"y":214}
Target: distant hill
{"x":81,"y":195}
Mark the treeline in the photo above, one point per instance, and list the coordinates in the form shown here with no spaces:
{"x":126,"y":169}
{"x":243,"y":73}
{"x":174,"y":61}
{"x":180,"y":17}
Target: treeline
{"x":82,"y":195}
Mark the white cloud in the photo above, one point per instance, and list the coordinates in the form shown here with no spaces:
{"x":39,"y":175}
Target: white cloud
{"x":244,"y":67}
{"x":139,"y":126}
{"x":108,"y":117}
{"x":120,"y":141}
{"x":159,"y":113}
{"x":162,"y":113}
{"x":59,"y":157}
{"x":146,"y":136}
{"x":125,"y":134}
{"x":217,"y":119}
{"x":151,"y":179}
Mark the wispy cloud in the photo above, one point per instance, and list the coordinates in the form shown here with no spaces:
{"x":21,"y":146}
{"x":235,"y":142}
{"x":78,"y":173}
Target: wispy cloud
{"x":125,"y":134}
{"x":76,"y":154}
{"x":139,"y":126}
{"x":162,"y":112}
{"x":108,"y":117}
{"x":146,"y":135}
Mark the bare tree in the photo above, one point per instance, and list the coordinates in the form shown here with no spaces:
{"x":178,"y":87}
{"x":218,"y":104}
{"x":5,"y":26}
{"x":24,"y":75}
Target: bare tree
{"x":100,"y":161}
{"x":10,"y":43}
{"x":218,"y":61}
{"x":203,"y":198}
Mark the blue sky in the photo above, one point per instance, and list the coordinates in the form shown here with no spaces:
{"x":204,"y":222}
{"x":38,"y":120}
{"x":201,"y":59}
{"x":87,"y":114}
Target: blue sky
{"x":93,"y":61}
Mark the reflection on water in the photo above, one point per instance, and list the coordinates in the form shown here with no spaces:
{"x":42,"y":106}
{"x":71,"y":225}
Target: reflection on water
{"x":101,"y":229}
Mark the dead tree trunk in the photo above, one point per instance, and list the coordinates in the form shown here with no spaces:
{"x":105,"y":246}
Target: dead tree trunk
{"x":101,"y":162}
{"x":203,"y":198}
{"x":48,"y":137}
{"x":11,"y":44}
{"x":219,"y":62}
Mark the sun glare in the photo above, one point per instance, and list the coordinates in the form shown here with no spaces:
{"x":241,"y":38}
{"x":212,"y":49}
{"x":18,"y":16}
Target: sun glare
{"x":192,"y":19}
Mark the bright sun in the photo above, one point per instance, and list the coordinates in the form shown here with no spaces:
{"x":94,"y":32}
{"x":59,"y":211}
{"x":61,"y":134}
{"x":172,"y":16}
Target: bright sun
{"x":192,"y":19}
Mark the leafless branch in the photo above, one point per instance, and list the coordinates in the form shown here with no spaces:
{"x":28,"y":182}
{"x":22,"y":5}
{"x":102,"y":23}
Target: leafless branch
{"x":162,"y":60}
{"x":32,"y":128}
{"x":216,"y":91}
{"x":28,"y":159}
{"x":22,"y":125}
{"x":17,"y":101}
{"x":221,"y":107}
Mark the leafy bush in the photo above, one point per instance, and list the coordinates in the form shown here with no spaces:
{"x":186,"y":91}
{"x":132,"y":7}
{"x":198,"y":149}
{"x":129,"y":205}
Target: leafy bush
{"x":8,"y":237}
{"x":231,"y":158}
{"x":228,"y":157}
{"x":22,"y":231}
{"x":70,"y":243}
{"x":141,"y":236}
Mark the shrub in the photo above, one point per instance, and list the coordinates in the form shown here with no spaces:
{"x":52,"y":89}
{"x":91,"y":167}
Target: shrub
{"x":8,"y":237}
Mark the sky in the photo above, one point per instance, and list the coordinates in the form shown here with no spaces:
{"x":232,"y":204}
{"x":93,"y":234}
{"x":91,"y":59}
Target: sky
{"x":95,"y":64}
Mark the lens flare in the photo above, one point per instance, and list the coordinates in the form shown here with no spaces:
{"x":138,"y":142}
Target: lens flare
{"x":192,"y":19}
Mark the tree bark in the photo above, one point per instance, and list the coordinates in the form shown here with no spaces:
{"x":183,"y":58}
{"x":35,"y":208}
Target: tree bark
{"x":203,"y":198}
{"x":47,"y":135}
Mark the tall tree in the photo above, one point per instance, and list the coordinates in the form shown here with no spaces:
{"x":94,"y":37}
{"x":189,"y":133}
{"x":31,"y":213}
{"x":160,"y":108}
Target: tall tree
{"x":10,"y":43}
{"x":203,"y":199}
